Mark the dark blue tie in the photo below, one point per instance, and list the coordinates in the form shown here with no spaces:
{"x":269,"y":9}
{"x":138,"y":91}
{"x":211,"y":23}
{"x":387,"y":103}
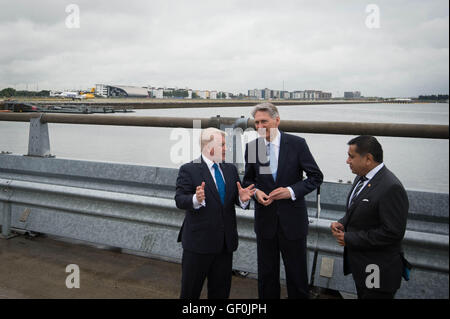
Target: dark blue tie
{"x":220,"y":183}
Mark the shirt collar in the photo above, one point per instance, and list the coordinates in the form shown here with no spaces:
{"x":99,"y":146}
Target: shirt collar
{"x":208,"y":162}
{"x":375,"y":170}
{"x":276,"y":141}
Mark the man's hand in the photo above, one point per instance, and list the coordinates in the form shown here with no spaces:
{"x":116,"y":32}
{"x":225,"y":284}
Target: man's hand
{"x":200,"y":193}
{"x":280,"y":193}
{"x":340,"y":238}
{"x":337,"y":229}
{"x":245,"y":194}
{"x":263,"y":198}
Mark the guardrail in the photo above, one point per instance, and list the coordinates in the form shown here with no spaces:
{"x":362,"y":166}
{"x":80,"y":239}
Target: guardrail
{"x":345,"y":128}
{"x":132,"y":207}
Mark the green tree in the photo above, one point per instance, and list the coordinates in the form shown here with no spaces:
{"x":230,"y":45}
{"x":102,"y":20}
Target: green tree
{"x":8,"y":92}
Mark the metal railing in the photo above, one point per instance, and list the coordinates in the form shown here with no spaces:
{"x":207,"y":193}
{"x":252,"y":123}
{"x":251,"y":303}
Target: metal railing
{"x":325,"y":127}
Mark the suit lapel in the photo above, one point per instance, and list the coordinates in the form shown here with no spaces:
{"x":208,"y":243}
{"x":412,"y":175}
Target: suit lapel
{"x":351,"y":191}
{"x":371,"y":185}
{"x":209,"y":182}
{"x":228,"y":181}
{"x":282,"y":156}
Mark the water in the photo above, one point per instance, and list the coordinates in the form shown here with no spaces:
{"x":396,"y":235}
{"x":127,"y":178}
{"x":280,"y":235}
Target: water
{"x":421,"y":164}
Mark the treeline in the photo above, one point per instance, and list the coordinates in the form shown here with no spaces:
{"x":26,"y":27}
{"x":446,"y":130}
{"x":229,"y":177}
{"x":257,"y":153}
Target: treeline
{"x":439,"y":97}
{"x":10,"y":92}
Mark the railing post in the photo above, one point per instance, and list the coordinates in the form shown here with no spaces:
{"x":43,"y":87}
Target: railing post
{"x":39,"y":142}
{"x":5,"y":208}
{"x":6,"y":222}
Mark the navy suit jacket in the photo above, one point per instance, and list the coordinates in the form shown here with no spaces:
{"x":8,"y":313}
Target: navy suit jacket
{"x":205,"y":229}
{"x":375,"y":225}
{"x":294,"y":159}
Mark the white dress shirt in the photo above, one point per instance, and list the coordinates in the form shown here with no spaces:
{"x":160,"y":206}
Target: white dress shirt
{"x":210,"y":164}
{"x":369,"y":176}
{"x":275,"y":146}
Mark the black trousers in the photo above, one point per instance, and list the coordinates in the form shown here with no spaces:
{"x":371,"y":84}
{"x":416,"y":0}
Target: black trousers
{"x":217,"y":268}
{"x":294,"y":259}
{"x":366,"y":293}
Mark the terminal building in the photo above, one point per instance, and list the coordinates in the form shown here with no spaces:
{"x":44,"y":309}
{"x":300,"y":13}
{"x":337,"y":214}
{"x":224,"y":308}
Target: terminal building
{"x":105,"y":90}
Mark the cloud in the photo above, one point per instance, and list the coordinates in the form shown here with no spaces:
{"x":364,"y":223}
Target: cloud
{"x":231,"y":46}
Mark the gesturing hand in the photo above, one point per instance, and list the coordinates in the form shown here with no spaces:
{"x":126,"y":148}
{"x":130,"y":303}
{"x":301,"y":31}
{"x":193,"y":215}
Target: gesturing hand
{"x":245,"y":194}
{"x":200,"y":193}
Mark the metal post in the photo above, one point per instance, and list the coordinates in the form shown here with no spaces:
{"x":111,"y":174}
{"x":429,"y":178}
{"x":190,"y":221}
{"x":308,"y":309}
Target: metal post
{"x":6,"y":222}
{"x":316,"y":249}
{"x":38,"y":143}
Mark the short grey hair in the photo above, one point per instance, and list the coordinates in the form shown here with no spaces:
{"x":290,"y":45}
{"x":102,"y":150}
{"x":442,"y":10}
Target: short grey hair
{"x":207,"y":135}
{"x":266,"y":107}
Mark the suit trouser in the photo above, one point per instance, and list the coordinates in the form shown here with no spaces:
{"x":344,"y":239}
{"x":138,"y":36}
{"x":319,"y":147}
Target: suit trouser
{"x":366,"y":293}
{"x":294,"y":259}
{"x":197,"y":267}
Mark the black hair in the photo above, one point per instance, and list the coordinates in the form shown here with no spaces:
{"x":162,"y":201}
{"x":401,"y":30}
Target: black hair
{"x":366,"y":144}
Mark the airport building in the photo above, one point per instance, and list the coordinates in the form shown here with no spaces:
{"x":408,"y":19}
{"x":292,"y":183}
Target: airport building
{"x":120,"y":91}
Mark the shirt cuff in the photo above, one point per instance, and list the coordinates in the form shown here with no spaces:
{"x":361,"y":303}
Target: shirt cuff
{"x":243,"y":204}
{"x":292,"y":193}
{"x":197,"y":205}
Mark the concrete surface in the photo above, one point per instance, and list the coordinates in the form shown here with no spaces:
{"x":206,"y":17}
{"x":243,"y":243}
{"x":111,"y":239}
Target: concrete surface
{"x":36,"y":268}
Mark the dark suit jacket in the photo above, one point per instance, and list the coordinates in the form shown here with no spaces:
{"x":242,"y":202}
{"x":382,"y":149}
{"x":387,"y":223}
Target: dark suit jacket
{"x":374,"y":228}
{"x":204,"y":230}
{"x":294,"y":159}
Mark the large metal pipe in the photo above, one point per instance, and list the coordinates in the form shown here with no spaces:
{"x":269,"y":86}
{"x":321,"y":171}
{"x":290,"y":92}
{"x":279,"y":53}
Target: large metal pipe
{"x":318,"y":127}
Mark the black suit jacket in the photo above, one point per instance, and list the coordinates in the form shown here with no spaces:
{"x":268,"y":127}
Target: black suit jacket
{"x":374,"y":226}
{"x":294,"y":159}
{"x":204,"y":230}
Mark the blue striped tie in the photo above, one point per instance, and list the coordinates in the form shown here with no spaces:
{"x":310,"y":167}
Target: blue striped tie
{"x":220,"y":183}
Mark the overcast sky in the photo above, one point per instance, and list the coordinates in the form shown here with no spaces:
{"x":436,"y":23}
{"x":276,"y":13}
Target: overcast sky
{"x":232,"y":45}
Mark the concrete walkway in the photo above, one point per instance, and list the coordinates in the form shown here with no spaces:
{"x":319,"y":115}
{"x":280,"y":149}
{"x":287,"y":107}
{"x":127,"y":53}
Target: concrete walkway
{"x":36,"y":268}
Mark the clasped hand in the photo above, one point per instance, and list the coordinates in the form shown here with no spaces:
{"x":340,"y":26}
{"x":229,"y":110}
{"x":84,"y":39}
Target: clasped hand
{"x":276,"y":194}
{"x":337,"y":229}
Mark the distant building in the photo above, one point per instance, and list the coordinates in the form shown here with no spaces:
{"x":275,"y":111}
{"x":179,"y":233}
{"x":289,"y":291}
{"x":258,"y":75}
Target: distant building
{"x":352,"y":95}
{"x":296,"y":95}
{"x":325,"y":96}
{"x":105,"y":90}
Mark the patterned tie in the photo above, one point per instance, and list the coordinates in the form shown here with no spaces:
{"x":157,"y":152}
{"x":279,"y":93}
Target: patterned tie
{"x":358,"y":187}
{"x":273,"y":162}
{"x":220,"y":183}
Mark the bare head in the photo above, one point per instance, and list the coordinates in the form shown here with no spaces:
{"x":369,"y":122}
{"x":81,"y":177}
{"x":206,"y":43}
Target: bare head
{"x":364,"y":154}
{"x":212,"y":144}
{"x":267,"y":120}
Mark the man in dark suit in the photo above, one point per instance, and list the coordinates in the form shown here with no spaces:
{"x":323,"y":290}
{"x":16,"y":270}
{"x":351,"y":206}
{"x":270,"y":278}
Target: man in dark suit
{"x":275,"y":164}
{"x":374,"y":224}
{"x":208,"y":190}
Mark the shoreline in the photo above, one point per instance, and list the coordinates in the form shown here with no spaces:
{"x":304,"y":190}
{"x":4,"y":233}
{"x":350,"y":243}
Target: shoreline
{"x":143,"y":103}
